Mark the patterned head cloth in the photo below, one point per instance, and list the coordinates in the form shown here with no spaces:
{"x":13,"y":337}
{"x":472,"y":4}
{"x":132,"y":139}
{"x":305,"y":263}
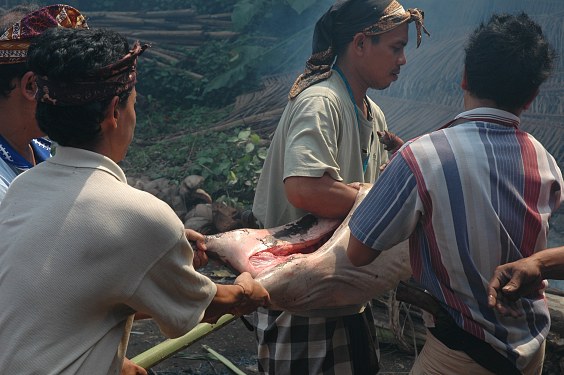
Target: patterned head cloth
{"x":341,"y":23}
{"x":100,"y":84}
{"x":15,"y":41}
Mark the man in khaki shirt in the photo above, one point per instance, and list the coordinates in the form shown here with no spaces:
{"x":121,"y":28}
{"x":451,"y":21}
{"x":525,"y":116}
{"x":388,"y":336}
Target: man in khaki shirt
{"x":327,"y":139}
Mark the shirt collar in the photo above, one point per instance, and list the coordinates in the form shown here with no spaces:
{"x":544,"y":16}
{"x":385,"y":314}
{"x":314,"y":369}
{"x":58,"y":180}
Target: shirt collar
{"x":41,"y":151}
{"x":493,"y":113}
{"x":80,"y":158}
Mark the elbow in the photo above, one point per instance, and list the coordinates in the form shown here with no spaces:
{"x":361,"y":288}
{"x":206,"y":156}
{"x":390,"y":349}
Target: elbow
{"x":358,"y":261}
{"x":297,"y":194}
{"x":359,"y":254}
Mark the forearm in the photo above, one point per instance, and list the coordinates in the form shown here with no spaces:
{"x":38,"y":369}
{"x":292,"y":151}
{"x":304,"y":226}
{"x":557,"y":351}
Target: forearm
{"x":359,"y":254}
{"x":226,"y":297}
{"x":322,"y":196}
{"x":550,"y":262}
{"x":241,"y":298}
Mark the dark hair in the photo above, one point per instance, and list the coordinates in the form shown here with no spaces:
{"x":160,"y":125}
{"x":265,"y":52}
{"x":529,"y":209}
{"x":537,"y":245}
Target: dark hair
{"x":507,"y":60}
{"x":351,"y":17}
{"x":68,"y":55}
{"x":9,"y":72}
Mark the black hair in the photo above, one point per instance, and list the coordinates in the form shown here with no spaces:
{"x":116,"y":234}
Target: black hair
{"x":351,"y":17}
{"x":68,"y":55}
{"x":9,"y":72}
{"x":507,"y":59}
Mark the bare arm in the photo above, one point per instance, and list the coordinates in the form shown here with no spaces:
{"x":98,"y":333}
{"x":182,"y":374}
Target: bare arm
{"x":359,"y":254}
{"x":524,"y":277}
{"x":241,"y":298}
{"x":322,"y":196}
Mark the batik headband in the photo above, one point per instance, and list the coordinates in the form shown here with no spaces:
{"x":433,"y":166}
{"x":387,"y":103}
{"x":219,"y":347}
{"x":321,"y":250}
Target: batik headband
{"x":15,"y":41}
{"x":318,"y":66}
{"x":101,"y":84}
{"x":395,"y":15}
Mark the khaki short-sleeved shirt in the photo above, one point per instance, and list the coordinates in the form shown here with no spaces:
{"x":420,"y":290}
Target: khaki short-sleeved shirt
{"x":318,"y":133}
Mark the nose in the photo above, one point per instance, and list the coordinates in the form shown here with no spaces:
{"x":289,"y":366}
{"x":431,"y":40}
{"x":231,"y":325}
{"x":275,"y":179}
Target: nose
{"x":402,"y":59}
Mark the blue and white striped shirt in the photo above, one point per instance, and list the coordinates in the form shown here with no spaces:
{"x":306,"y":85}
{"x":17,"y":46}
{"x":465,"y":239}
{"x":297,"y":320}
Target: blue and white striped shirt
{"x":469,"y":197}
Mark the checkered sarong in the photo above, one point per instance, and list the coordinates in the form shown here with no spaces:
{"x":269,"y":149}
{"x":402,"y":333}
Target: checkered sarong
{"x":297,"y":345}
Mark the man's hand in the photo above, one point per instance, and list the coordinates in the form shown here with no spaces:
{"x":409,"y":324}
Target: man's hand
{"x":512,"y":281}
{"x":391,"y":142}
{"x":200,"y":256}
{"x":254,"y":295}
{"x":130,"y":368}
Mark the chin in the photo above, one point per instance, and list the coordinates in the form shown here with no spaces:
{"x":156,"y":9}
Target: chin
{"x":382,"y":87}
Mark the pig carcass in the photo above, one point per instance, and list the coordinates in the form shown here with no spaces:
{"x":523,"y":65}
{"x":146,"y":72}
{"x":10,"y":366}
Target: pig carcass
{"x":304,"y":265}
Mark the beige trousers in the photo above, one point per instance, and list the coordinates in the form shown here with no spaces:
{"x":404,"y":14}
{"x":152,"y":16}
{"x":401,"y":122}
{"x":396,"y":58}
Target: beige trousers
{"x":437,"y":359}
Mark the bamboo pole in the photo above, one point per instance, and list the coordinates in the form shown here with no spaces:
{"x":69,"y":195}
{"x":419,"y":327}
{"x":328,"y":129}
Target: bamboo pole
{"x":224,"y":360}
{"x":167,"y":348}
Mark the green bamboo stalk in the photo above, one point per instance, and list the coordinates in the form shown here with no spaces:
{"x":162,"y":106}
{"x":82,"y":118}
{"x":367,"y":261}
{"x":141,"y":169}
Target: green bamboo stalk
{"x":224,"y":360}
{"x":167,"y":348}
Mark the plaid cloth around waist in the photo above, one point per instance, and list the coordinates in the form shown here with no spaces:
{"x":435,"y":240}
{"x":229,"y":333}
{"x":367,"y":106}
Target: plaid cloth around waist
{"x":297,"y":345}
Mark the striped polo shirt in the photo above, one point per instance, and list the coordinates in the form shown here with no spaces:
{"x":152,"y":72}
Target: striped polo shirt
{"x":470,"y":196}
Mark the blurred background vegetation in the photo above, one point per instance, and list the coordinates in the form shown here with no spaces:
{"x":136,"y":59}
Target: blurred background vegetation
{"x":203,"y":55}
{"x":215,"y":80}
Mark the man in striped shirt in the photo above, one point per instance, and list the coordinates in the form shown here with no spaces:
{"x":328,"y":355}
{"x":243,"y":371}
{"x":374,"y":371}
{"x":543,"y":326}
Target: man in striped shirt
{"x":473,"y":195}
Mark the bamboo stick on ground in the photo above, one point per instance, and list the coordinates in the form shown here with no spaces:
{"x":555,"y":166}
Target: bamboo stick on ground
{"x":224,"y":360}
{"x":168,"y":348}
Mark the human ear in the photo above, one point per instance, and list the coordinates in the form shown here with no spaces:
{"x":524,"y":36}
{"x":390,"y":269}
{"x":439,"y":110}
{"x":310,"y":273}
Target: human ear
{"x":464,"y":82}
{"x":112,"y":112}
{"x":28,"y":87}
{"x":358,"y":41}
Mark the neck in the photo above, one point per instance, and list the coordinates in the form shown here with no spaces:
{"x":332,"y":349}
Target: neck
{"x":356,"y":85}
{"x":20,"y":143}
{"x":471,"y":102}
{"x":17,"y":126}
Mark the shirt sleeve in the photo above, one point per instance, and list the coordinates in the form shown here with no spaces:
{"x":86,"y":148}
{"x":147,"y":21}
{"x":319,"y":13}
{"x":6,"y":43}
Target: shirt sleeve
{"x":390,"y":211}
{"x":311,"y":147}
{"x":173,"y":292}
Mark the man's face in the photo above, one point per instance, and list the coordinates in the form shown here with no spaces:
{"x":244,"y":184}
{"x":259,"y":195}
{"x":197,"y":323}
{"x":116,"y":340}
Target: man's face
{"x":382,"y":60}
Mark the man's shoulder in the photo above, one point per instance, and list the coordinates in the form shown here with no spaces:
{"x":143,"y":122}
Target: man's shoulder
{"x":329,"y":89}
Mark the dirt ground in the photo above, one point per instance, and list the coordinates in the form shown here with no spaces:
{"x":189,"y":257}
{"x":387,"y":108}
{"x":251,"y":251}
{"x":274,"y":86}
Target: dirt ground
{"x":237,"y":344}
{"x":234,"y":341}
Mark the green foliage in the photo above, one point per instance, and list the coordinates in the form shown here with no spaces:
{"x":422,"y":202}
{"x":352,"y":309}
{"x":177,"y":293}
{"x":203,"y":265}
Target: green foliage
{"x":301,"y":5}
{"x":226,"y":70}
{"x":240,"y":75}
{"x":245,"y":12}
{"x":232,"y":166}
{"x":229,"y":161}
